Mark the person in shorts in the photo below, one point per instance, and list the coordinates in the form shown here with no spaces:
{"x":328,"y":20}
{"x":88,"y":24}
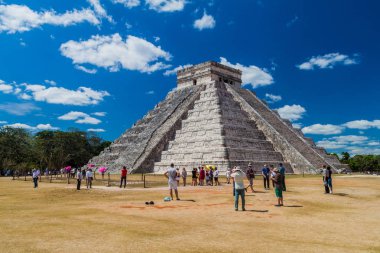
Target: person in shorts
{"x":194,"y":177}
{"x":171,"y":175}
{"x":278,"y":186}
{"x":250,"y":176}
{"x":216,"y":177}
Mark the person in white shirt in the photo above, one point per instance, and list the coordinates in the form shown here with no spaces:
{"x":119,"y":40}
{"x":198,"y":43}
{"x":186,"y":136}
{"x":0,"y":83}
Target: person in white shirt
{"x":171,"y":175}
{"x":79,"y":179}
{"x":228,"y":175}
{"x":216,"y":176}
{"x":238,"y":175}
{"x":35,"y":175}
{"x":89,"y":178}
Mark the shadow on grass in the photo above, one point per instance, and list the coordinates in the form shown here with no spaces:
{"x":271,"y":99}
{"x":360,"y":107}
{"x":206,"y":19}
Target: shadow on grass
{"x":189,"y":200}
{"x":293,"y":206}
{"x":258,"y":211}
{"x":341,"y":194}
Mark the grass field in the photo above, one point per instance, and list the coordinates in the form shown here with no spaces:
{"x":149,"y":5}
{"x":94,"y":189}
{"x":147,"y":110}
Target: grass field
{"x":57,"y":218}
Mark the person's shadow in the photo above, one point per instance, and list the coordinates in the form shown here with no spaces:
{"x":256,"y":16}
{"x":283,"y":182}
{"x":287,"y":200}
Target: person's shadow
{"x":293,"y":206}
{"x":258,"y":211}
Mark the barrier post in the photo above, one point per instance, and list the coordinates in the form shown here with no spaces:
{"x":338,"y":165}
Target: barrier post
{"x":109,"y":178}
{"x":68,"y":180}
{"x":144,"y":180}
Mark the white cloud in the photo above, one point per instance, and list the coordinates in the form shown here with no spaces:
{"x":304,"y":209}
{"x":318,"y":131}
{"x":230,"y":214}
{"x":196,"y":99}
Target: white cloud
{"x":252,"y":75}
{"x":354,"y":143}
{"x":166,"y":5}
{"x":59,"y":95}
{"x":362,"y":124}
{"x":80,"y":118}
{"x":205,"y":22}
{"x":174,"y":71}
{"x":128,"y":25}
{"x":20,"y":18}
{"x":99,"y":10}
{"x":5,"y":88}
{"x":273,"y":98}
{"x":98,"y":130}
{"x":112,"y":53}
{"x":151,"y":92}
{"x":127,"y":3}
{"x":99,"y":114}
{"x":156,"y":38}
{"x":18,"y":109}
{"x":291,"y":112}
{"x":3,"y":122}
{"x":84,"y":69}
{"x":51,"y":82}
{"x":322,"y":129}
{"x":39,"y":127}
{"x":297,"y":125}
{"x":292,"y":22}
{"x":328,"y":61}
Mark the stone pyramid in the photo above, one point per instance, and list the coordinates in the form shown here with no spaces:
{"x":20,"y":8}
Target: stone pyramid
{"x":209,"y":119}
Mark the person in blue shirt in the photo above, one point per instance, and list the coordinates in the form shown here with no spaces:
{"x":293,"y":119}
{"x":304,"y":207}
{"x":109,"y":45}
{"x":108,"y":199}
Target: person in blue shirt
{"x":265,"y":171}
{"x":281,"y":169}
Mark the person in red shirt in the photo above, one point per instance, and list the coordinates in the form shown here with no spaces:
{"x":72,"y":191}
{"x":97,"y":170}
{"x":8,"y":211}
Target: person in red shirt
{"x":202,"y":175}
{"x":123,"y":177}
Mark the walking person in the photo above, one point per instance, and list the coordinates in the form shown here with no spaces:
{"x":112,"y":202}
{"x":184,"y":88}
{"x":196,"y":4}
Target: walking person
{"x":171,"y":175}
{"x":184,"y":176}
{"x":265,"y":171}
{"x":194,"y":177}
{"x":216,"y":176}
{"x":79,"y":178}
{"x":123,"y":176}
{"x":35,"y":175}
{"x":329,"y":179}
{"x":228,"y":176}
{"x":89,"y":178}
{"x":238,"y":175}
{"x":281,"y":169}
{"x":324,"y":171}
{"x":250,"y":177}
{"x":278,"y":187}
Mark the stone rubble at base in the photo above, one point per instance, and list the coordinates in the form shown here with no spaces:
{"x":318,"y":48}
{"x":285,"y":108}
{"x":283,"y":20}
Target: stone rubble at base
{"x":210,"y":120}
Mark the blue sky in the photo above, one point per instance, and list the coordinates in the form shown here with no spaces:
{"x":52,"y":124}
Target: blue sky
{"x":100,"y":65}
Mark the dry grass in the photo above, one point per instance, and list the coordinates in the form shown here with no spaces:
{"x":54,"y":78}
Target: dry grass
{"x":57,"y":218}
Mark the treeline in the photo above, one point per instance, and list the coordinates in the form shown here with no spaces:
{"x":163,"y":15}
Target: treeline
{"x":361,"y":163}
{"x":21,"y":150}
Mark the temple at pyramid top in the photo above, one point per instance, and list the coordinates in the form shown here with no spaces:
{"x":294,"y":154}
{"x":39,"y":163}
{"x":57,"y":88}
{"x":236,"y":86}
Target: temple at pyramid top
{"x":207,"y":72}
{"x":211,"y":120}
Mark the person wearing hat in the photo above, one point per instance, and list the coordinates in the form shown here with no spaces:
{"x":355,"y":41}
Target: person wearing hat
{"x":238,"y":175}
{"x":278,"y":186}
{"x":250,"y":177}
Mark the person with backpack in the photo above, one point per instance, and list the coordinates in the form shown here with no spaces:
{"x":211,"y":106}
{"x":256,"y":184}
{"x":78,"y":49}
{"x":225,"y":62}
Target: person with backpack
{"x":250,"y":177}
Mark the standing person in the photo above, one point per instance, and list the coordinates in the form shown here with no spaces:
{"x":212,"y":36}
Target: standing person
{"x":79,"y":178}
{"x":329,"y":179}
{"x":278,"y":187}
{"x":194,"y":177}
{"x":228,"y":175}
{"x":178,"y":177}
{"x":324,"y":171}
{"x":250,"y":177}
{"x":202,"y":175}
{"x":123,"y":176}
{"x":171,"y":175}
{"x":265,"y":171}
{"x":272,"y":173}
{"x":211,"y":176}
{"x":216,"y":177}
{"x":35,"y":175}
{"x":207,"y":177}
{"x":89,"y":178}
{"x":238,"y":176}
{"x":184,"y":176}
{"x":281,"y":169}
